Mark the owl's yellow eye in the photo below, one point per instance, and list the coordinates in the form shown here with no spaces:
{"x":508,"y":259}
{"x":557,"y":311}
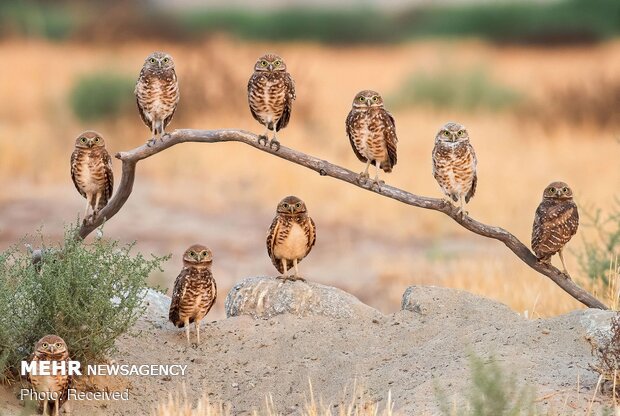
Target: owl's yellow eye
{"x":461,"y":133}
{"x":45,"y":345}
{"x":361,"y":99}
{"x":192,"y":254}
{"x":58,"y":345}
{"x":83,"y":139}
{"x":152,"y":60}
{"x":445,"y":133}
{"x":166,"y":60}
{"x":97,"y":139}
{"x":285,"y":205}
{"x":375,"y":98}
{"x":298,"y":205}
{"x":552,"y":190}
{"x":204,"y":253}
{"x":565,"y":190}
{"x":263,"y":63}
{"x":277,"y":63}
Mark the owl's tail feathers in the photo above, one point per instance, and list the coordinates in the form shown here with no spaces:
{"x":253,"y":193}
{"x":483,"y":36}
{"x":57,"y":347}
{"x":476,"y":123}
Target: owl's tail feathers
{"x":386,"y":166}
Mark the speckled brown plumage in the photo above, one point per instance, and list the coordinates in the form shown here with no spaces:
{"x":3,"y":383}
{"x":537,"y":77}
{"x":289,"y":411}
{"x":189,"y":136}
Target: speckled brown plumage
{"x":194,"y":290}
{"x":91,"y":170}
{"x":271,"y":92}
{"x":55,"y":386}
{"x":454,"y":164}
{"x":157,"y":93}
{"x":291,"y":236}
{"x":372,"y":133}
{"x":555,"y":223}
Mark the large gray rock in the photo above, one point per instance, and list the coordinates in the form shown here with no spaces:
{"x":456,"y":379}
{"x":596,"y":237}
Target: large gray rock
{"x":597,"y":324}
{"x":265,"y":297}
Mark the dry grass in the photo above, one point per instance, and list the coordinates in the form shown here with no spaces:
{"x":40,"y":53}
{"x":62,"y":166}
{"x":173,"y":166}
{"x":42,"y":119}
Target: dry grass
{"x":517,"y":158}
{"x":357,"y":405}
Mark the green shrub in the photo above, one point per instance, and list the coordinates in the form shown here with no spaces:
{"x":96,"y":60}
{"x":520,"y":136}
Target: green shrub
{"x":102,"y":95}
{"x":88,"y":294}
{"x":491,"y":393}
{"x":599,"y":258}
{"x":469,"y":90}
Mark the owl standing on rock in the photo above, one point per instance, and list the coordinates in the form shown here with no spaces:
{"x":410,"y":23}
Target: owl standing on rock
{"x":157,"y":93}
{"x":555,"y":223}
{"x":194,"y":291}
{"x":91,"y":170}
{"x":372,"y":133}
{"x":291,"y":236}
{"x":271,"y":92}
{"x":54,"y":386}
{"x":454,"y":164}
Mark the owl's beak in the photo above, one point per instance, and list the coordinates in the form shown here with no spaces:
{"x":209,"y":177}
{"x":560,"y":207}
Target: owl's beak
{"x":558,"y":192}
{"x":292,"y":210}
{"x":270,"y":67}
{"x":52,"y":348}
{"x":90,"y":143}
{"x":368,"y":102}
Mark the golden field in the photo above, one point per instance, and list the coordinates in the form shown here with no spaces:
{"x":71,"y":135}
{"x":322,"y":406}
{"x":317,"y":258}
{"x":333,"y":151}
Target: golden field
{"x":224,"y":195}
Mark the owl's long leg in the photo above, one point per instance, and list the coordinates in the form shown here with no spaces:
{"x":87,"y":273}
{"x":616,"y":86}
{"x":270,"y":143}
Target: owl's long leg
{"x":88,"y":201}
{"x":284,"y":276}
{"x":274,"y":141}
{"x":45,"y":408}
{"x":56,"y":407}
{"x":155,"y":132}
{"x":97,"y":199}
{"x":462,"y":211}
{"x":296,"y":275}
{"x":197,"y":326}
{"x":563,"y":264}
{"x":363,"y":176}
{"x":187,"y":330}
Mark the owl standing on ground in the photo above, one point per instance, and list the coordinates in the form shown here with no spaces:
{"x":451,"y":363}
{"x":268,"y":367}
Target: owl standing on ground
{"x":194,"y":290}
{"x":271,"y":92}
{"x":291,"y":236}
{"x":53,"y":386}
{"x":454,"y":164}
{"x":372,"y":133}
{"x":157,"y":93}
{"x":555,"y":223}
{"x":91,"y":170}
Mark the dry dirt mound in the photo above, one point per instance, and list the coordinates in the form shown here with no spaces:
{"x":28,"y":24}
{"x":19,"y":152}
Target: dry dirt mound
{"x":242,"y":359}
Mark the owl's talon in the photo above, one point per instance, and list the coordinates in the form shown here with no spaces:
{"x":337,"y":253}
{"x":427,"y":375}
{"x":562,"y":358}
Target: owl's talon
{"x":362,"y":178}
{"x":263,"y":138}
{"x":275,"y":143}
{"x":151,"y":142}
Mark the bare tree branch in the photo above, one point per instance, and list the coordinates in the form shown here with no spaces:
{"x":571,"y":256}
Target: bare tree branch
{"x":324,"y":168}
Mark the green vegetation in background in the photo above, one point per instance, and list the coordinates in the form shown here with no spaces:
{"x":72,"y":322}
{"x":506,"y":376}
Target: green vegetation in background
{"x":468,"y":90}
{"x":563,"y":21}
{"x":88,"y":294}
{"x":102,"y":95}
{"x":601,"y":254}
{"x":491,"y":393}
{"x":34,"y":19}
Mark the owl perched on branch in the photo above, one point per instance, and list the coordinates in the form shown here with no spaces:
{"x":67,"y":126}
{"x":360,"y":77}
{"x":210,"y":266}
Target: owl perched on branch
{"x":194,"y":290}
{"x":555,"y":223}
{"x":271,"y":92}
{"x":157,"y":93}
{"x":372,"y":133}
{"x":291,"y":236}
{"x":454,"y":164}
{"x":54,"y":386}
{"x":91,"y":170}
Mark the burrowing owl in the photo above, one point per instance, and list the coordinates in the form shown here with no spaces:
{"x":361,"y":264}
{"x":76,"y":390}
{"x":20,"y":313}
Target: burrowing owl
{"x":91,"y":170}
{"x":271,"y":92}
{"x":372,"y":133}
{"x":454,"y":164}
{"x":157,"y":93}
{"x":555,"y":223}
{"x":53,"y":387}
{"x":291,"y":236}
{"x":194,"y":290}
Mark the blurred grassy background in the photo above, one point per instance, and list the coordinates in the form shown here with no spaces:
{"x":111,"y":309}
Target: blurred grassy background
{"x":537,"y":84}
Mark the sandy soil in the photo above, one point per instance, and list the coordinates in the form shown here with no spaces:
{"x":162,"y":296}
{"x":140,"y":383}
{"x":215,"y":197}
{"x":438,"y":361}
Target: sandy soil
{"x":241,"y":360}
